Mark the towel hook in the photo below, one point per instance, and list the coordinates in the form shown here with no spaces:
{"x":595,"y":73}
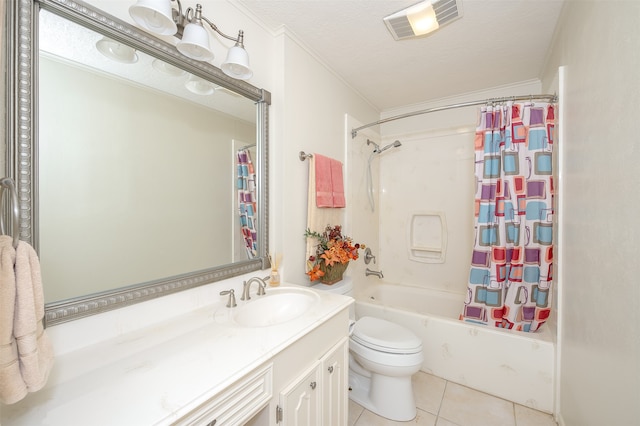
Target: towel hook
{"x":8,"y":184}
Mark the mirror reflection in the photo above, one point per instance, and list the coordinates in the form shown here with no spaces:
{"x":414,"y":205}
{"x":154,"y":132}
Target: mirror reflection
{"x":143,"y":167}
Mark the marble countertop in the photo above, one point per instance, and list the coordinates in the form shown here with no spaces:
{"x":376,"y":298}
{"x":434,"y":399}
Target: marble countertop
{"x":159,"y":373}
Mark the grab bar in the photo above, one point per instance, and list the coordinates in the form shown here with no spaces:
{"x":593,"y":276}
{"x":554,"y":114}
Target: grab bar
{"x":8,"y":184}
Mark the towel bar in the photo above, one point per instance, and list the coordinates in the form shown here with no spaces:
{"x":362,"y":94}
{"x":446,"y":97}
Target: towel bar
{"x":8,"y":184}
{"x":304,"y":156}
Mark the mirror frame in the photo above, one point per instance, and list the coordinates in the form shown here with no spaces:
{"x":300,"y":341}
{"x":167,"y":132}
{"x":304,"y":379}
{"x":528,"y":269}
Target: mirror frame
{"x":22,"y":148}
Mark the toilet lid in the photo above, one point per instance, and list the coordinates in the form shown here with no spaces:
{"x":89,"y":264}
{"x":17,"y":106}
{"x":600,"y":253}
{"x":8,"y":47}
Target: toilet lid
{"x":385,"y":336}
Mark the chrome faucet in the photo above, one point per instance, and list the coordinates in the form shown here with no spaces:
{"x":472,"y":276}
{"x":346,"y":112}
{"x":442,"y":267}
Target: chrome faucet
{"x":376,"y":273}
{"x":246,"y":286}
{"x":368,"y":256}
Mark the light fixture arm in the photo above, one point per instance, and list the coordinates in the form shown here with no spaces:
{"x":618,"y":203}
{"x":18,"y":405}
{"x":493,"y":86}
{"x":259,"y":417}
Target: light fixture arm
{"x":239,"y":40}
{"x":196,"y":17}
{"x":177,"y":15}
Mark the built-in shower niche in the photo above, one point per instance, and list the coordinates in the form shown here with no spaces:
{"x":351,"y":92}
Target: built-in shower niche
{"x":427,"y":237}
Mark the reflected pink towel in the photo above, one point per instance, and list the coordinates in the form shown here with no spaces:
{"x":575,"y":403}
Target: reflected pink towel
{"x":337,"y":184}
{"x":324,"y":187}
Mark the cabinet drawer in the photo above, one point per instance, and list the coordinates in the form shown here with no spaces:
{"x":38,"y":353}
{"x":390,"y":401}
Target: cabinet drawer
{"x":237,"y":404}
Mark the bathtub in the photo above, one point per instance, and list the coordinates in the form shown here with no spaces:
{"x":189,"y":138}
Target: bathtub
{"x":513,"y":365}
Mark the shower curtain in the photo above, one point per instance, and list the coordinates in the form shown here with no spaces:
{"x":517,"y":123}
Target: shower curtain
{"x":246,"y":190}
{"x":512,"y":262}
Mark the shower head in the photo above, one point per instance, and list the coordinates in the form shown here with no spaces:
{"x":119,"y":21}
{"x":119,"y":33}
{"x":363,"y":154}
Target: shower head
{"x":370,"y":142}
{"x":391,"y":145}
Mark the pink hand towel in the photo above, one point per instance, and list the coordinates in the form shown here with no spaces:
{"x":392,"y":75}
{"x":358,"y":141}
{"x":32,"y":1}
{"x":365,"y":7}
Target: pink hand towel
{"x":324,"y":187}
{"x":338,"y":184}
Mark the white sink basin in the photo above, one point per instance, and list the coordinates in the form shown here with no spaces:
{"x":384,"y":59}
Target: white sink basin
{"x":279,"y":305}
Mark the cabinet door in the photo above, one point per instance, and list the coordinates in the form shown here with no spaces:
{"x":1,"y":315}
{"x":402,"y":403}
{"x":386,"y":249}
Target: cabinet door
{"x":335,"y":385}
{"x":301,"y":401}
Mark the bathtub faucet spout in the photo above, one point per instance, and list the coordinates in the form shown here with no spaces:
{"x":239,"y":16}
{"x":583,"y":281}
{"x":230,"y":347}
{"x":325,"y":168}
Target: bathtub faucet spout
{"x":376,"y":273}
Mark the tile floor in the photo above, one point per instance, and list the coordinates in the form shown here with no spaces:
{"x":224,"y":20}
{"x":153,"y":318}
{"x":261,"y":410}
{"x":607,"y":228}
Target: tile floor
{"x":443,"y":403}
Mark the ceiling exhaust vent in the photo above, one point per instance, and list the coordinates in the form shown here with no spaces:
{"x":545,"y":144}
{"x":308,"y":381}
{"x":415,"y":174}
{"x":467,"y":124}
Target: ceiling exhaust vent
{"x":423,"y":18}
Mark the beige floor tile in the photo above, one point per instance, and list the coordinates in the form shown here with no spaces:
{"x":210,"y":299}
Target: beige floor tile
{"x":428,"y":391}
{"x":370,"y":419}
{"x":526,"y":416}
{"x":467,"y":407}
{"x":355,"y":410}
{"x":444,"y":422}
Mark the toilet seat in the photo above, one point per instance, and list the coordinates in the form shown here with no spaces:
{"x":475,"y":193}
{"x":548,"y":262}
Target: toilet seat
{"x":385,"y":336}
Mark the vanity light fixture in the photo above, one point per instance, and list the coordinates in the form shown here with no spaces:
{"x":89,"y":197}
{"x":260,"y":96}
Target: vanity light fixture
{"x":117,"y":51}
{"x":161,"y":17}
{"x":423,"y":18}
{"x":199,"y":86}
{"x":166,"y":68}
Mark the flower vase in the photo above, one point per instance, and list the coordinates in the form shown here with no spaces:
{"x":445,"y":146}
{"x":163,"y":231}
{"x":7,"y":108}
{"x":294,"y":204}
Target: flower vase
{"x":333,"y":273}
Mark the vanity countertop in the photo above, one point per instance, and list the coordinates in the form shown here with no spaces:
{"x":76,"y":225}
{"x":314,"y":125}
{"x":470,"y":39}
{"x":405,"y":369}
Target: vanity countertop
{"x":159,"y":373}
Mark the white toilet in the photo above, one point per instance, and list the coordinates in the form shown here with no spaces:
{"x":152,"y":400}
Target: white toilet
{"x":382,"y":358}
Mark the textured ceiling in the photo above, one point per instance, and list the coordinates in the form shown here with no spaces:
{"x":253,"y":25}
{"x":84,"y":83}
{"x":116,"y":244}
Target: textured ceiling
{"x":496,"y":42}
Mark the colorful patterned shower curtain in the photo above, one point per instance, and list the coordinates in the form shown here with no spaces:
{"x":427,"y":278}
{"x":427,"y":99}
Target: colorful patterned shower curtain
{"x":247,"y":209}
{"x":512,"y":262}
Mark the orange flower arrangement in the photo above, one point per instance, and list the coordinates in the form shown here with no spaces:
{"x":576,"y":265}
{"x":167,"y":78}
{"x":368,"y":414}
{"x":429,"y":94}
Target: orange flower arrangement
{"x":332,"y":248}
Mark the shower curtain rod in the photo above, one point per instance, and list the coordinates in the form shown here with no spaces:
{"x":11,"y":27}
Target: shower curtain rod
{"x":551,"y":98}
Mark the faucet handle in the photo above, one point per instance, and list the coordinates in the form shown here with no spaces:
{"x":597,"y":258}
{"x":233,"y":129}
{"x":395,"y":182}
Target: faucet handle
{"x":263,"y":285}
{"x":368,"y":256}
{"x":261,"y":288}
{"x":231,"y":303}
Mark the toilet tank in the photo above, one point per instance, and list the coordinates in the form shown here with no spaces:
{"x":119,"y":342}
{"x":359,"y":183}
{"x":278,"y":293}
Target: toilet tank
{"x":344,"y":287}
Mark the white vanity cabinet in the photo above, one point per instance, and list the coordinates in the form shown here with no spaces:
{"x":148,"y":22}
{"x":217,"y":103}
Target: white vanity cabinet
{"x":301,"y":402}
{"x":236,"y":405}
{"x":335,"y":385}
{"x":304,"y":384}
{"x":318,"y":396}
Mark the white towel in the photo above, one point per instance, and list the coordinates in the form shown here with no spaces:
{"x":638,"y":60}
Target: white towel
{"x":26,"y":354}
{"x":318,"y":218}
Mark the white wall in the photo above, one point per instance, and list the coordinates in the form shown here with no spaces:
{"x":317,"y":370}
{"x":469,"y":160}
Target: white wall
{"x":311,"y":106}
{"x":599,"y":312}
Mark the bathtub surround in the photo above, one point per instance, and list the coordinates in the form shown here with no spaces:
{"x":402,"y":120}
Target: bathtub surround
{"x":512,"y":263}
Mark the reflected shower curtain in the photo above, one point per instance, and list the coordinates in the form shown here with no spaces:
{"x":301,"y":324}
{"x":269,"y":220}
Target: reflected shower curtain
{"x":247,"y":208}
{"x":512,"y":262}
